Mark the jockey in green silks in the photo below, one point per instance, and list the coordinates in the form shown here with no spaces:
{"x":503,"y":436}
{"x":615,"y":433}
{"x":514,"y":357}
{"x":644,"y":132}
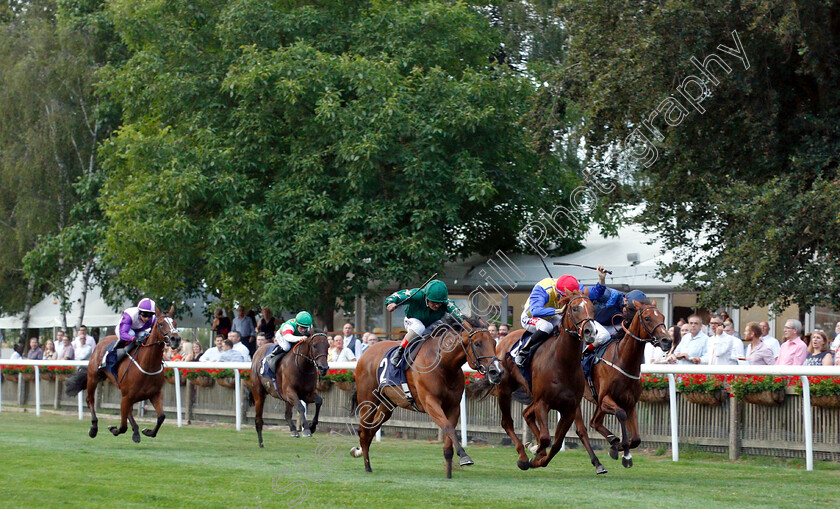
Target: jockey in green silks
{"x":425,"y":307}
{"x":292,"y":331}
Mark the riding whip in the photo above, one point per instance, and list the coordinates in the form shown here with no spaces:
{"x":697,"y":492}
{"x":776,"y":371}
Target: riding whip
{"x":418,"y":289}
{"x":576,"y":265}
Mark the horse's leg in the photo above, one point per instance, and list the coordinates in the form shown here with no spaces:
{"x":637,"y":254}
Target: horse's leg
{"x":371,"y":418}
{"x":609,"y":406}
{"x":529,"y":415}
{"x":435,"y":411}
{"x":135,"y":429}
{"x":157,"y":402}
{"x":289,"y":409}
{"x":633,"y":432}
{"x":541,"y":417}
{"x":304,"y":424}
{"x":318,"y":402}
{"x":580,"y":429}
{"x":92,"y":382}
{"x":125,"y":409}
{"x":259,"y":402}
{"x":507,"y":424}
{"x":597,"y":423}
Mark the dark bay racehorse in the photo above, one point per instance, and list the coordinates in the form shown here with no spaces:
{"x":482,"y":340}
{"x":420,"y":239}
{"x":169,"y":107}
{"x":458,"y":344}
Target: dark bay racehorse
{"x":435,"y":379}
{"x":617,"y":376}
{"x":140,"y":377}
{"x":297,"y":377}
{"x":556,"y":383}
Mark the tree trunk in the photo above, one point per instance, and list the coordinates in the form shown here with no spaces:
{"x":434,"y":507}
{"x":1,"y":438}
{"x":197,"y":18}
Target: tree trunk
{"x":326,"y":307}
{"x":27,"y":307}
{"x":85,"y":282}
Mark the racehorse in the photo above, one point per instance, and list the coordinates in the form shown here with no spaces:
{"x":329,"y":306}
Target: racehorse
{"x":617,"y":376}
{"x":139,"y":377}
{"x":556,"y":383}
{"x":435,"y":379}
{"x":297,"y":377}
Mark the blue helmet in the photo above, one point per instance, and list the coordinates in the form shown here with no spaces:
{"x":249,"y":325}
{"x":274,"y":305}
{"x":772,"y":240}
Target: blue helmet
{"x":634,"y":295}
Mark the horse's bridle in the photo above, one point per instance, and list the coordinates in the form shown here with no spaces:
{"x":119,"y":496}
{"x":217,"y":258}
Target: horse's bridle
{"x":308,"y":342}
{"x":475,"y":363}
{"x":578,"y":328}
{"x":651,"y":338}
{"x":167,"y":337}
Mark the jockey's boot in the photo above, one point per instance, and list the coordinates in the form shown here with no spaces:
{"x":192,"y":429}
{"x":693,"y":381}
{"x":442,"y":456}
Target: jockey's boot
{"x":123,"y":352}
{"x":269,"y":360}
{"x":398,"y":354}
{"x":535,"y":340}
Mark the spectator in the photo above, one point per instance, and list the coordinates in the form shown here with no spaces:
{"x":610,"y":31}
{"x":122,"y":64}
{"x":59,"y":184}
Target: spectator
{"x":267,"y":324}
{"x":758,"y":353}
{"x":261,"y":339}
{"x":49,"y":351}
{"x":213,"y":354}
{"x":737,"y":344}
{"x":221,"y":323}
{"x":494,"y":331}
{"x":655,"y":354}
{"x":235,"y":340}
{"x":681,"y":322}
{"x":346,"y":355}
{"x":83,"y":331}
{"x":196,"y":351}
{"x":820,"y":351}
{"x":692,"y":347}
{"x":172,"y":354}
{"x":16,"y":352}
{"x":350,"y":339}
{"x":336,"y":346}
{"x":67,"y":351}
{"x":81,"y":347}
{"x":504,"y":330}
{"x":724,"y":316}
{"x":186,"y":351}
{"x":719,"y":345}
{"x":684,"y":329}
{"x":35,"y":352}
{"x":59,"y":342}
{"x":835,"y":345}
{"x":229,"y":353}
{"x":245,"y":327}
{"x":769,"y":340}
{"x":794,"y":351}
{"x":370,"y":341}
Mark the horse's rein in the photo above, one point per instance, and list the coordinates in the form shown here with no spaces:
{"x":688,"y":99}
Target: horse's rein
{"x":167,"y":338}
{"x":476,"y":362}
{"x":308,"y":342}
{"x":648,"y":331}
{"x":577,"y":325}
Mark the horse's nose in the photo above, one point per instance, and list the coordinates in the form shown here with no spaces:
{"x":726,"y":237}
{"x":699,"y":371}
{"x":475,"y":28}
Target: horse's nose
{"x":322,"y":370}
{"x":588,"y":333}
{"x":495,"y":372}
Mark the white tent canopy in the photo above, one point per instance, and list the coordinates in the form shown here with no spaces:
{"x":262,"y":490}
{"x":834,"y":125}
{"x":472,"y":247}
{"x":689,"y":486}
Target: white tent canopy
{"x":47,"y":313}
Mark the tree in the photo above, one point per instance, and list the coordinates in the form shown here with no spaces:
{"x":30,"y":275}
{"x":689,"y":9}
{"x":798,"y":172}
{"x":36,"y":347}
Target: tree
{"x":745,"y":195}
{"x":295,"y":155}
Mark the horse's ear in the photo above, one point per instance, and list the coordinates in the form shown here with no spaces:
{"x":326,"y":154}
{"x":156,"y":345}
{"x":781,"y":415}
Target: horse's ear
{"x":157,"y":311}
{"x":653,"y":302}
{"x":637,"y":304}
{"x":171,"y":311}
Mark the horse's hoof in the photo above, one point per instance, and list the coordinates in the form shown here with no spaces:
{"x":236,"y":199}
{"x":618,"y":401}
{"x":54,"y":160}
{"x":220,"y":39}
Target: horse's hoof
{"x":613,"y":453}
{"x":307,"y":433}
{"x":262,"y":446}
{"x":532,"y":446}
{"x":601,"y":469}
{"x":627,"y":462}
{"x":523,"y":465}
{"x":114,"y":430}
{"x":356,"y":452}
{"x":136,"y":438}
{"x":466,"y":461}
{"x":92,"y":433}
{"x":149,"y":433}
{"x":295,"y":434}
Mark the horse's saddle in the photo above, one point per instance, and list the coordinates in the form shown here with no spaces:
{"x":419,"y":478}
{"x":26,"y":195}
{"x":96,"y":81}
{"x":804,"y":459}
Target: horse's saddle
{"x":111,"y":359}
{"x":514,"y":351}
{"x":588,"y":362}
{"x":390,"y":376}
{"x":271,"y":365}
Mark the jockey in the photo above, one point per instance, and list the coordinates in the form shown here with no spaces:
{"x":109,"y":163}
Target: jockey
{"x":610,"y":302}
{"x":541,"y":315}
{"x":425,"y":307}
{"x":133,"y":328}
{"x":292,"y":331}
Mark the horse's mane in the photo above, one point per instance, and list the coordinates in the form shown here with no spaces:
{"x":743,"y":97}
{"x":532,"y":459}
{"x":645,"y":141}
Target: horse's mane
{"x":564,"y":299}
{"x":449,"y":323}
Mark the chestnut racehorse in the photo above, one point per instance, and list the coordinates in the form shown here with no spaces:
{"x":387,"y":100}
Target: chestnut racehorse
{"x":139,"y":377}
{"x":617,"y":376}
{"x":434,"y":378}
{"x":297,"y":378}
{"x":556,"y":383}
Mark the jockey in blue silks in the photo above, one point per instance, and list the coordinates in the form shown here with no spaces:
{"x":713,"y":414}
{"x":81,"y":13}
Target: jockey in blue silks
{"x":610,"y":302}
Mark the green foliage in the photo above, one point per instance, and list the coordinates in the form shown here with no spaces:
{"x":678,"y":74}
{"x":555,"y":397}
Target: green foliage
{"x":701,"y":383}
{"x":652,"y":381}
{"x":819,"y":385}
{"x":288,"y":155}
{"x":753,"y":383}
{"x":752,"y":182}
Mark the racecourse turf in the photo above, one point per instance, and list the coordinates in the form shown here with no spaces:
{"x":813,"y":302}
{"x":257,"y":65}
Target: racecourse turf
{"x":49,"y":461}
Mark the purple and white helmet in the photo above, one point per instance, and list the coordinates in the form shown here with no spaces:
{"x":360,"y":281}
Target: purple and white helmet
{"x":147,"y":306}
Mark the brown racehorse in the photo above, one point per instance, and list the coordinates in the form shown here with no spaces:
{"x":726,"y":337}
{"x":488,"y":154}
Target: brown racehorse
{"x":617,"y":376}
{"x":140,"y":377}
{"x":297,"y":377}
{"x":556,"y":383}
{"x":434,"y":378}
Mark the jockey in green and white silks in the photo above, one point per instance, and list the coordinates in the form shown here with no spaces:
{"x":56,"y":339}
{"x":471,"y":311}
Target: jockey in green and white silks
{"x":291,"y":332}
{"x":425,"y":306}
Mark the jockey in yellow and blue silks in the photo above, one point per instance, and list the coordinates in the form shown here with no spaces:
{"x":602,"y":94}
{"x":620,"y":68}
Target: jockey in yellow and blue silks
{"x":425,"y":307}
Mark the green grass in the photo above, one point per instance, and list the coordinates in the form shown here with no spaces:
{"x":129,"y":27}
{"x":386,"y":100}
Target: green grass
{"x":49,"y":461}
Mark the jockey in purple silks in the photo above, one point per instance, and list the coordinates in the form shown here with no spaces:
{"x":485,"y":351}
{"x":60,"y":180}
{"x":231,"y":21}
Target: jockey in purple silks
{"x":133,"y":328}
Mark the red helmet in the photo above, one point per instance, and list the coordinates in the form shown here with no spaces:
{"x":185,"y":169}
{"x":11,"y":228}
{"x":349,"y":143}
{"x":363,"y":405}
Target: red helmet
{"x":567,"y":283}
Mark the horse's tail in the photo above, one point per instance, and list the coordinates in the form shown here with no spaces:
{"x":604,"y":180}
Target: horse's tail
{"x":354,"y":402}
{"x":482,"y":388}
{"x":521,"y":395}
{"x":251,"y":401}
{"x":76,"y":383}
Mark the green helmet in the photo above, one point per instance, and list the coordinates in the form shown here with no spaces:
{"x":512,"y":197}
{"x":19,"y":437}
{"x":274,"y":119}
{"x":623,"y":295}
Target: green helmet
{"x":304,"y":318}
{"x":436,"y":291}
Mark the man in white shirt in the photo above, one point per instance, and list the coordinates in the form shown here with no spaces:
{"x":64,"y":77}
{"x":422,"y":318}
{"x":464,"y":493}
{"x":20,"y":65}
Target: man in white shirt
{"x":88,"y":338}
{"x":692,"y":347}
{"x":350,"y":339}
{"x":81,"y":348}
{"x":719,"y":345}
{"x":229,"y":354}
{"x":213,"y":354}
{"x":236,"y":339}
{"x":737,"y":345}
{"x":59,"y":343}
{"x":346,"y":355}
{"x":768,"y":340}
